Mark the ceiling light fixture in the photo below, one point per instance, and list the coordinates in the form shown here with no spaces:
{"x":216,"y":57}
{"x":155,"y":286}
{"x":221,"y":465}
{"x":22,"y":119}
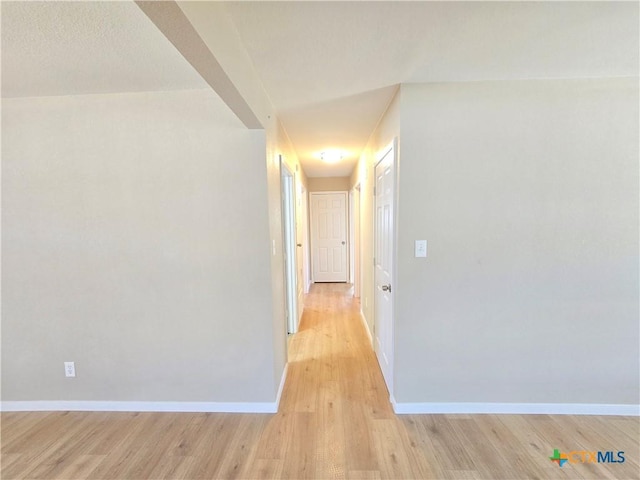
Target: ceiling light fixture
{"x":331,"y":156}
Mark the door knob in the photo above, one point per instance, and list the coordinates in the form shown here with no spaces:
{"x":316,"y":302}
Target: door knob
{"x":299,"y":244}
{"x":386,"y":288}
{"x":344,"y":243}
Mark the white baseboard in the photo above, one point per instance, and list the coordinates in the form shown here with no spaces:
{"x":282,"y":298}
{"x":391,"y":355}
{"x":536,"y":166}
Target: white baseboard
{"x":366,"y":327}
{"x":516,"y":408}
{"x":106,"y":406}
{"x":184,"y":407}
{"x":283,"y":379}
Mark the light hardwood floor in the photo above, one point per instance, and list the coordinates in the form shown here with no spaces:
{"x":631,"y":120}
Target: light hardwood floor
{"x":335,"y":421}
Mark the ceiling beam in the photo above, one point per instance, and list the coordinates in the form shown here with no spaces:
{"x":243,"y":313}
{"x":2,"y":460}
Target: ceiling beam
{"x":174,"y":24}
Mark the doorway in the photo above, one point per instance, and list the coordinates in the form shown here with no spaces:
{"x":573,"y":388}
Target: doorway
{"x":289,"y":246}
{"x":329,"y":237}
{"x":384,"y":254}
{"x":304,"y":225}
{"x":301,"y":248}
{"x":354,"y":242}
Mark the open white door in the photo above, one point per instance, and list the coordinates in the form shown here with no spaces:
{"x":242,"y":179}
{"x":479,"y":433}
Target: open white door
{"x":289,"y":246}
{"x":383,"y":264}
{"x":301,"y":224}
{"x":304,"y":222}
{"x":329,"y":236}
{"x":354,"y":227}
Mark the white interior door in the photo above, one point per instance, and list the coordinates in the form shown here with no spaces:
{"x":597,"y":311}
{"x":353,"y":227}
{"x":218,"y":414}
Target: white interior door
{"x":356,"y":241}
{"x":306,"y":264}
{"x":329,"y":236}
{"x":383,"y":261}
{"x":301,"y":220}
{"x":289,"y":247}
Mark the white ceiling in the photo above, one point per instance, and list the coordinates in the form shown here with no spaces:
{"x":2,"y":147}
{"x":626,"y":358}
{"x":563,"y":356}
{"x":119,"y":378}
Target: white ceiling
{"x":70,"y":48}
{"x":330,"y":68}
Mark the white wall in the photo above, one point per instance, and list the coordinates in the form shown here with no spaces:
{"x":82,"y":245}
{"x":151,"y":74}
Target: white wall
{"x":216,"y":28}
{"x":527,"y":193}
{"x":135,"y":243}
{"x":329,"y":184}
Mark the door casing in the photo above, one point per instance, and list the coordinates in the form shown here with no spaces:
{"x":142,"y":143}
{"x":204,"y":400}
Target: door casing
{"x":289,"y":246}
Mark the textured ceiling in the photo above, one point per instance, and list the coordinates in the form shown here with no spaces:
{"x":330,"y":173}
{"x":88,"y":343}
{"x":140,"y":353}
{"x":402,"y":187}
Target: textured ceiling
{"x":330,"y":68}
{"x":67,"y":48}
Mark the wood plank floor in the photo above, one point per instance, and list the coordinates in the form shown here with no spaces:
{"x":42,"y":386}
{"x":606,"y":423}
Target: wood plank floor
{"x":335,"y":422}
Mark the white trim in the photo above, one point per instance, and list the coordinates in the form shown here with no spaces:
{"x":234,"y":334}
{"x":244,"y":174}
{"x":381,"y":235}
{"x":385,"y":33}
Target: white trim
{"x":289,"y":262}
{"x":106,"y":406}
{"x":328,"y":192}
{"x":357,"y":286}
{"x":283,"y":379}
{"x":306,"y":271}
{"x":366,"y":327}
{"x":516,"y":408}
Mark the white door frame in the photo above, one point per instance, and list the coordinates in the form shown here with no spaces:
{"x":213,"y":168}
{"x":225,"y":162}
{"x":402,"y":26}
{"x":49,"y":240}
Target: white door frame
{"x":289,"y":245}
{"x":354,"y":222}
{"x":304,"y":220}
{"x":388,"y":375}
{"x":300,"y":247}
{"x":346,"y":229}
{"x":352,"y":243}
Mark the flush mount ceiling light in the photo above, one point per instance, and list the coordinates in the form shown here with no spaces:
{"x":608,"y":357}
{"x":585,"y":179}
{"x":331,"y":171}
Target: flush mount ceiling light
{"x":331,"y":156}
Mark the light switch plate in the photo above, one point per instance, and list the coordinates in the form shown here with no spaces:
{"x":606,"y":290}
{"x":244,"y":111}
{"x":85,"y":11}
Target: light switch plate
{"x":421,"y":248}
{"x":69,"y":369}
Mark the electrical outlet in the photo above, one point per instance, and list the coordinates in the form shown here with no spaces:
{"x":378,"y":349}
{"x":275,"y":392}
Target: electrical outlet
{"x":69,"y":369}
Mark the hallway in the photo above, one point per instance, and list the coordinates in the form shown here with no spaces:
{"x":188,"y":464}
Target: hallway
{"x":335,"y":402}
{"x":334,"y":422}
